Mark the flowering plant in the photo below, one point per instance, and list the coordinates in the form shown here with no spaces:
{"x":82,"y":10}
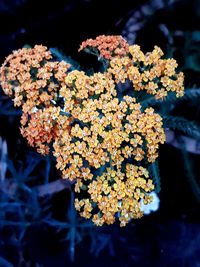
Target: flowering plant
{"x":104,"y":140}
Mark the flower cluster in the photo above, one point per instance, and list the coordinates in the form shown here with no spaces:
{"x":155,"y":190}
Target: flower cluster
{"x":40,"y":128}
{"x":116,"y":192}
{"x":148,"y":72}
{"x":32,"y":78}
{"x":108,"y":46}
{"x":102,"y":142}
{"x":105,"y":135}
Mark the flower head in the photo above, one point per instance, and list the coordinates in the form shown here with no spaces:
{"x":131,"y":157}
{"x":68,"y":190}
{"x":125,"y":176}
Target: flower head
{"x":102,"y":138}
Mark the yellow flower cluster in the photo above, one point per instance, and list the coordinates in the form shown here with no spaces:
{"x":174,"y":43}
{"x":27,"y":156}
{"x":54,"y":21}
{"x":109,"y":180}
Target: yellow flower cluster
{"x":116,"y":192}
{"x":148,"y":72}
{"x":106,"y":133}
{"x":102,"y":141}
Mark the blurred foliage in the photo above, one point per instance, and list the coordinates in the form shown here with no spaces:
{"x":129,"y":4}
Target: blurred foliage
{"x":10,"y":5}
{"x":30,"y":208}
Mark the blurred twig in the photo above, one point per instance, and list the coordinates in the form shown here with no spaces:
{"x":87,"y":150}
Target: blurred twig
{"x":3,"y":157}
{"x":190,"y":144}
{"x":10,"y":188}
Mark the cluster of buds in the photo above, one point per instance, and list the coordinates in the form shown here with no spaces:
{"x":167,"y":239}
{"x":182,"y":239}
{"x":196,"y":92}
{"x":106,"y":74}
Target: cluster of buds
{"x":102,"y":142}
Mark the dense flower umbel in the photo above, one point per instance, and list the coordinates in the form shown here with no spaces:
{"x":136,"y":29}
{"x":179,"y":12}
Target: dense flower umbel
{"x":108,"y":46}
{"x":102,"y":142}
{"x":31,"y":77}
{"x":105,"y":134}
{"x":148,"y":72}
{"x":40,"y":128}
{"x":116,"y":192}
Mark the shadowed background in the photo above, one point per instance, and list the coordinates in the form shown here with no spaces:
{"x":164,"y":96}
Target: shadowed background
{"x":38,"y":224}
